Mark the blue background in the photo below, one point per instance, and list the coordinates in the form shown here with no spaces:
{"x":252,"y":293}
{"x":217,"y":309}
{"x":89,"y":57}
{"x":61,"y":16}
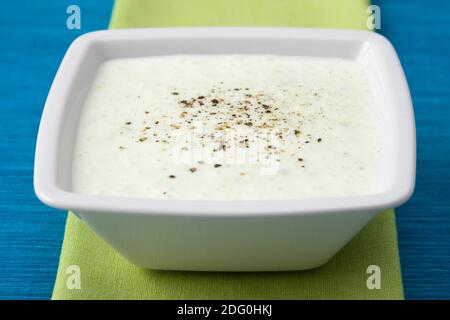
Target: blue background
{"x":35,"y":38}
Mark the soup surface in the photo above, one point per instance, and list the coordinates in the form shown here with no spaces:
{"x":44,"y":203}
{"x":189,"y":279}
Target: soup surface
{"x":228,"y":127}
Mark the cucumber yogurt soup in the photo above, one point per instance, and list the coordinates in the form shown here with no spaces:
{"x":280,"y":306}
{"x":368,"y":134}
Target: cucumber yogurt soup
{"x":228,"y":127}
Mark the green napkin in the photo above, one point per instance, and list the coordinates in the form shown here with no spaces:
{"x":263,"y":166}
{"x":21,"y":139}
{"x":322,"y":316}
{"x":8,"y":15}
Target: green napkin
{"x":106,"y":275}
{"x":350,"y":14}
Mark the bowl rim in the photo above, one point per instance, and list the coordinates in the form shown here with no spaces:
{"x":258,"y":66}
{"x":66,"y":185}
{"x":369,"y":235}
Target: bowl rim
{"x":47,"y":148}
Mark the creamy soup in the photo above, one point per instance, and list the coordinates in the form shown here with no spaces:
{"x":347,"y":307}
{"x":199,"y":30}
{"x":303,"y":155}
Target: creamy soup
{"x":228,"y":127}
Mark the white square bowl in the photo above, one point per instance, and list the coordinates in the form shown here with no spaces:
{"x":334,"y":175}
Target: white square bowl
{"x":261,"y":235}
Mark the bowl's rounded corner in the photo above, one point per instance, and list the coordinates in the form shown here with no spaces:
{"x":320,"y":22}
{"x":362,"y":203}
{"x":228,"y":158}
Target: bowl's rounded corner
{"x":87,"y":38}
{"x":404,"y":192}
{"x":41,"y":192}
{"x":376,"y":36}
{"x":382,"y":42}
{"x":47,"y":194}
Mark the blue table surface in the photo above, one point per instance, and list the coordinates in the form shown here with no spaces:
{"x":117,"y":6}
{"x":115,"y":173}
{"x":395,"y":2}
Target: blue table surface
{"x":35,"y":38}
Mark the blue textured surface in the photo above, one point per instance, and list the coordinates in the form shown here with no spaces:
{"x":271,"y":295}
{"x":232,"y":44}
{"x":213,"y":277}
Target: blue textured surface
{"x":420,"y":32}
{"x":35,"y":40}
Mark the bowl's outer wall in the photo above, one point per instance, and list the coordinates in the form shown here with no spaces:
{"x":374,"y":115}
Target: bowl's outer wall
{"x":228,"y":243}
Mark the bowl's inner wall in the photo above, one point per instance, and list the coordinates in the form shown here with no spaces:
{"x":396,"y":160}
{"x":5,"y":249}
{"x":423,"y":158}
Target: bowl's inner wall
{"x":101,"y":51}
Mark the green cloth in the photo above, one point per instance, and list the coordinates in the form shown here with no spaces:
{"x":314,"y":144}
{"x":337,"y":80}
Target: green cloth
{"x":349,"y":14}
{"x":106,"y":275}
